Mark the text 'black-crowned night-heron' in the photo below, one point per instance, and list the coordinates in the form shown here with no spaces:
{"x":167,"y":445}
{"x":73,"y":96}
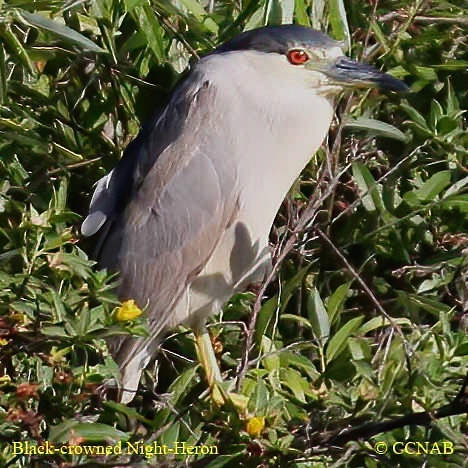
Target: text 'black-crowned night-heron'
{"x":186,"y":214}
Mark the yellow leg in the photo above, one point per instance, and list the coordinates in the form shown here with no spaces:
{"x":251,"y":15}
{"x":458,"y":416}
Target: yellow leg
{"x":206,"y":356}
{"x":207,"y":359}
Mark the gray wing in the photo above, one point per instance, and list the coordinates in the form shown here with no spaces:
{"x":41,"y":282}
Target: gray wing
{"x":163,"y":210}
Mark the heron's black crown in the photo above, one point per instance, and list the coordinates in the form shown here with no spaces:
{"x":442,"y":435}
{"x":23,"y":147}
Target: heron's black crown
{"x":277,"y":39}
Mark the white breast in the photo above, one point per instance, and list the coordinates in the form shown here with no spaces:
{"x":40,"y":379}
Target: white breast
{"x":272,"y":125}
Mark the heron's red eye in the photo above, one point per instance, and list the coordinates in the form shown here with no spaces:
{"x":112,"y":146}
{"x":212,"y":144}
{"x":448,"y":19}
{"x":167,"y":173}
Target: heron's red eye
{"x":297,"y":56}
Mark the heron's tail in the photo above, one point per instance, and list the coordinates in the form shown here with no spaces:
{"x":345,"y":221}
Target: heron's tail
{"x":132,"y":356}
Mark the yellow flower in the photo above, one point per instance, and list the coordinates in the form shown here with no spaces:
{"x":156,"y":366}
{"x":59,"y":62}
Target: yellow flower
{"x":3,"y":342}
{"x":255,"y":426}
{"x":128,"y":311}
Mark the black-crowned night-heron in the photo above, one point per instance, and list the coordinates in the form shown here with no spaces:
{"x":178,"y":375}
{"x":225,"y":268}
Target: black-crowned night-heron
{"x":186,"y":214}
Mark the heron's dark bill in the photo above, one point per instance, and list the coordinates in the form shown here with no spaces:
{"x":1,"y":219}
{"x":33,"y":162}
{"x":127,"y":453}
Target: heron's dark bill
{"x":357,"y":74}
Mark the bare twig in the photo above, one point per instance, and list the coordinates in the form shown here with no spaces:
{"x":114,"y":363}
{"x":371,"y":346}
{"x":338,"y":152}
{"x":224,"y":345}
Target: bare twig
{"x":396,"y":16}
{"x":359,"y":279}
{"x":423,"y":418}
{"x":73,"y":166}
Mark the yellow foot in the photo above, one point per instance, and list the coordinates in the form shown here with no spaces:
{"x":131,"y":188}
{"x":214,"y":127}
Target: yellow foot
{"x":223,"y":397}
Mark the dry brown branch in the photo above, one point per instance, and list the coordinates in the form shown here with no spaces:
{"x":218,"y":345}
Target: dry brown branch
{"x":401,"y":17}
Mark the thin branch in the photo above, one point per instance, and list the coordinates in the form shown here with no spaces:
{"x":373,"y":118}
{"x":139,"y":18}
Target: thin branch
{"x":359,"y":279}
{"x":73,"y":166}
{"x":423,"y":418}
{"x":396,"y":16}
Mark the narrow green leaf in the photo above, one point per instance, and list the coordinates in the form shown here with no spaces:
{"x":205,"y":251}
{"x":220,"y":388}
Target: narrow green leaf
{"x":292,"y":285}
{"x":381,"y":322}
{"x":318,"y":316}
{"x":460,"y":203}
{"x":63,"y":32}
{"x":3,"y":74}
{"x":336,"y":301}
{"x":258,"y":401}
{"x":375,"y":127}
{"x":279,"y":12}
{"x":92,"y":432}
{"x":153,"y":31}
{"x":124,"y":409}
{"x":436,"y":113}
{"x":298,"y":319}
{"x":382,"y":38}
{"x":369,"y":190}
{"x":431,"y":188}
{"x":453,"y":106}
{"x":15,"y":47}
{"x":300,"y":11}
{"x":430,"y":305}
{"x":339,"y":22}
{"x":416,"y":117}
{"x":288,"y":358}
{"x":70,"y":156}
{"x":271,"y":361}
{"x":55,"y":331}
{"x":182,"y":385}
{"x":338,"y":342}
{"x":292,"y":379}
{"x":426,"y":73}
{"x":131,"y":4}
{"x":201,"y":15}
{"x":264,"y":318}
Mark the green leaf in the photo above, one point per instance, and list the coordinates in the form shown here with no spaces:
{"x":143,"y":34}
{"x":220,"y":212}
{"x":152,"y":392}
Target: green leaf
{"x":339,"y":22}
{"x":375,"y":127}
{"x":271,"y":361}
{"x":292,"y":379}
{"x":92,"y":432}
{"x":265,"y":317}
{"x":258,"y":401}
{"x":430,"y":189}
{"x":14,"y":46}
{"x":338,"y":342}
{"x":417,"y":119}
{"x":152,"y":30}
{"x":430,"y":305}
{"x":460,"y":203}
{"x":336,"y":301}
{"x":3,"y":76}
{"x":288,"y":358}
{"x":201,"y":15}
{"x":300,"y":11}
{"x":63,"y":32}
{"x":369,"y":190}
{"x":124,"y":409}
{"x":182,"y":385}
{"x":292,"y":285}
{"x":298,"y":319}
{"x":55,"y":331}
{"x":318,"y":316}
{"x":383,"y":40}
{"x":279,"y":12}
{"x":381,"y":322}
{"x":426,"y":73}
{"x":436,"y":113}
